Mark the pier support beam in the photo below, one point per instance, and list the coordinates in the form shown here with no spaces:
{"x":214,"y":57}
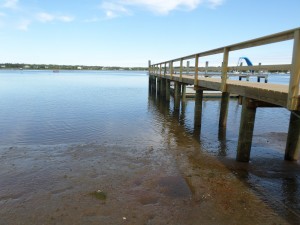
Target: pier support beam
{"x":163,"y":87}
{"x":293,"y":140}
{"x":153,"y":83}
{"x":183,"y":92}
{"x":246,"y":130}
{"x":167,"y":90}
{"x":198,"y":109}
{"x":158,"y":86}
{"x":177,"y":94}
{"x":224,"y":109}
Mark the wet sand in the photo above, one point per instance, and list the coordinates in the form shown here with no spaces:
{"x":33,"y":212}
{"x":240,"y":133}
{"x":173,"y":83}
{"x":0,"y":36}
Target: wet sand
{"x":143,"y":185}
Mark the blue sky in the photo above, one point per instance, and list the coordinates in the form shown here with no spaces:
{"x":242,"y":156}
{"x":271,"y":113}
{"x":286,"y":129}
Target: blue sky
{"x":129,"y":32}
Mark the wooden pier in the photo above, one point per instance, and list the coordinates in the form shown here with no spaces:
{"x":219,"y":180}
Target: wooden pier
{"x":252,"y":94}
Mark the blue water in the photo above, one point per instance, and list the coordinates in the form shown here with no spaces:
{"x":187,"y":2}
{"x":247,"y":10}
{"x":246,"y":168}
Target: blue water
{"x":42,"y":107}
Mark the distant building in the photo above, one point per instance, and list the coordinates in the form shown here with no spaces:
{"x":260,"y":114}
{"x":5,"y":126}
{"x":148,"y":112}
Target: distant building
{"x":79,"y":67}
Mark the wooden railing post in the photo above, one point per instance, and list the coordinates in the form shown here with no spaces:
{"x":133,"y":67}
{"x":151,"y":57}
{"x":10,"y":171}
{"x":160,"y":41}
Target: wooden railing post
{"x":165,"y":69}
{"x":171,"y":69}
{"x":206,"y":65}
{"x":181,"y":68}
{"x":160,"y":74}
{"x":224,"y":69}
{"x":196,"y":69}
{"x":188,"y":67}
{"x":292,"y":103}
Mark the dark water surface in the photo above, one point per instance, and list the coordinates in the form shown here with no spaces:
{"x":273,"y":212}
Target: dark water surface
{"x":46,"y":108}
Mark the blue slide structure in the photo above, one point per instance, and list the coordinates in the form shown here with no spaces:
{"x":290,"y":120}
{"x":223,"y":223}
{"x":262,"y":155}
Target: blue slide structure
{"x":249,"y":63}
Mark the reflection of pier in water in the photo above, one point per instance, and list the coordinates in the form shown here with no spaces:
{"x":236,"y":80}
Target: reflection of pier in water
{"x":276,"y":183}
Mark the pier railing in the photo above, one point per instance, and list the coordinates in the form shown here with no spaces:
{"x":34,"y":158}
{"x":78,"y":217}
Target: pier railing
{"x":167,"y":67}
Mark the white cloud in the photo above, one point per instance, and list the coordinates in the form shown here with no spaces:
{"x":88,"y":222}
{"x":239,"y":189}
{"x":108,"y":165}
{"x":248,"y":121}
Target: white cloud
{"x":164,"y":6}
{"x":23,"y":25}
{"x":11,"y":4}
{"x":47,"y":17}
{"x":121,"y":7}
{"x":113,"y":10}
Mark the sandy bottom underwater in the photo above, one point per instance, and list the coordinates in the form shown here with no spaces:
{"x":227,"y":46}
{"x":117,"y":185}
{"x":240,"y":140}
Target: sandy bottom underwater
{"x":113,"y":184}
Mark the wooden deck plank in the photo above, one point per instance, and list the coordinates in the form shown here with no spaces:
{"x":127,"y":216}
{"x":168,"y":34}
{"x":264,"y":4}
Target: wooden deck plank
{"x":276,"y":94}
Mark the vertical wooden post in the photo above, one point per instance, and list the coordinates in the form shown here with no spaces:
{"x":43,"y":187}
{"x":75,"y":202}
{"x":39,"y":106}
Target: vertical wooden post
{"x":246,"y":130}
{"x":225,"y":95}
{"x":163,"y":87}
{"x":224,"y":69}
{"x":198,"y":108}
{"x":188,"y":67}
{"x":171,"y":69}
{"x":154,"y":83}
{"x":149,"y":65}
{"x":183,"y":92}
{"x":165,"y":70}
{"x":293,"y":140}
{"x":158,"y":85}
{"x":292,"y":103}
{"x":196,"y":69}
{"x":167,"y":90}
{"x":259,"y":73}
{"x":177,"y":93}
{"x":181,"y":65}
{"x":150,"y":78}
{"x":206,"y":65}
{"x":224,"y":109}
{"x":160,"y":74}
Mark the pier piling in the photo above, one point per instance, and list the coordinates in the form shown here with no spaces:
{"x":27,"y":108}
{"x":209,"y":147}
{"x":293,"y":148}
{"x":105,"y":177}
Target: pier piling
{"x":224,"y":109}
{"x":246,"y":130}
{"x":183,"y":92}
{"x":198,"y":108}
{"x":293,"y":140}
{"x":177,"y":94}
{"x":168,"y":90}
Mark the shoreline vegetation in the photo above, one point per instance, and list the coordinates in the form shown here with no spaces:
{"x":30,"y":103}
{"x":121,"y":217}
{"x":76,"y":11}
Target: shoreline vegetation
{"x":23,"y":66}
{"x":55,"y":67}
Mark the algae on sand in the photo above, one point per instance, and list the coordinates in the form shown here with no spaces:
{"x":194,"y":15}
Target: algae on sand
{"x":99,"y":195}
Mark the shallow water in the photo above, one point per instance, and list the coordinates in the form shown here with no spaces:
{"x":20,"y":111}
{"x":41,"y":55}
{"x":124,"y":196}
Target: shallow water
{"x":114,"y":108}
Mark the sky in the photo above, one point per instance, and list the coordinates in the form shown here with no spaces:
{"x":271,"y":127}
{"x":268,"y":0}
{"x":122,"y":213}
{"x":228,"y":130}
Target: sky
{"x":131,"y":32}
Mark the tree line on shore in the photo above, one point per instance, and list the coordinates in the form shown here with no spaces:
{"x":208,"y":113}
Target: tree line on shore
{"x":24,"y":66}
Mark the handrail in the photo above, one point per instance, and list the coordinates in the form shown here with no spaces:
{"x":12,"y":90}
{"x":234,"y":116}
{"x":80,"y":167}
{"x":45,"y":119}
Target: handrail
{"x":269,"y":39}
{"x":293,"y":34}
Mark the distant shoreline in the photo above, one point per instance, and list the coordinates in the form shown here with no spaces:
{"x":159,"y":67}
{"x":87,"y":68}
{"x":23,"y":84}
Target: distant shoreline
{"x":22,"y":66}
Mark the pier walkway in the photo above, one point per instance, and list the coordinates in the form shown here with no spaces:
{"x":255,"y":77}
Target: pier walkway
{"x":252,"y":94}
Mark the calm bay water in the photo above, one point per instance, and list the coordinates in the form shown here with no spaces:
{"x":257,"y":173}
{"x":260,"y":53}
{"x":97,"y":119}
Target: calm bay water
{"x":114,"y":107}
{"x":42,"y":107}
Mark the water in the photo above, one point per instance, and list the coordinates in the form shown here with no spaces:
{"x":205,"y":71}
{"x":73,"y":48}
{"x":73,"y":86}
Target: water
{"x":114,"y":108}
{"x":42,"y":107}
